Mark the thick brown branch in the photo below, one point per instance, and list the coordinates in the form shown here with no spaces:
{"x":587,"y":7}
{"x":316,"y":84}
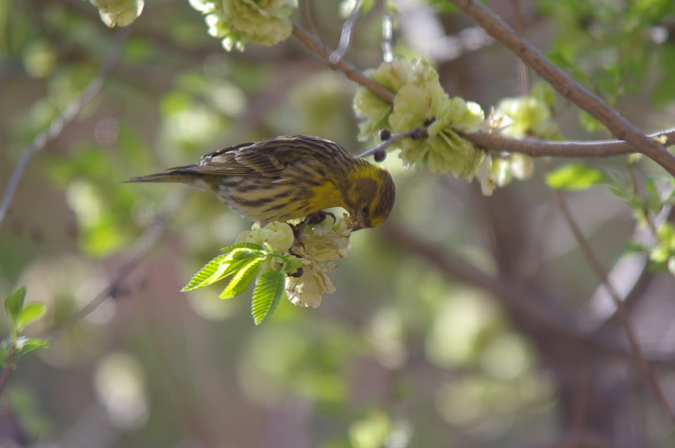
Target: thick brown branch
{"x":568,"y":87}
{"x":537,"y":148}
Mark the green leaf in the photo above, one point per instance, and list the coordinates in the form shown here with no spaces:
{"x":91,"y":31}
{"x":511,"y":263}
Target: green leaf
{"x":14,"y":303}
{"x":659,"y":254}
{"x":267,"y":294}
{"x":252,"y":246}
{"x":292,"y":263}
{"x":242,"y":279}
{"x":30,"y":313}
{"x":223,"y":266}
{"x":654,"y":203}
{"x":575,"y":176}
{"x":26,"y":345}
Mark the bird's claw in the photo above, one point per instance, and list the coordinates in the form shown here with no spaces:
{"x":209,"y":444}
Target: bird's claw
{"x":314,"y":218}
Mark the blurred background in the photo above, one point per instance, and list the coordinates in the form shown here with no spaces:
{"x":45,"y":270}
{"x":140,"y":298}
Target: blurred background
{"x":465,"y":320}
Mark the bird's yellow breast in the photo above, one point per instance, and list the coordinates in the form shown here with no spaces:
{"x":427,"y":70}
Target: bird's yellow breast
{"x":327,"y":195}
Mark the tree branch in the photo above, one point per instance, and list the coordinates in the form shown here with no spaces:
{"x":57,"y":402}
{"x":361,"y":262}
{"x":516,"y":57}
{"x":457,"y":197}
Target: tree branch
{"x":346,"y":35}
{"x":568,"y":87}
{"x":56,"y":127}
{"x":8,"y":367}
{"x":570,"y":148}
{"x":490,"y":142}
{"x":152,"y":235}
{"x":320,"y":49}
{"x":518,"y":299}
{"x":621,"y":312}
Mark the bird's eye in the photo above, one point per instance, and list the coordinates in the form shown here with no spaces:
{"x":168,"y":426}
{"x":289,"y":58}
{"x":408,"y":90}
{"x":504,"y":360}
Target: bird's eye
{"x":366,"y":210}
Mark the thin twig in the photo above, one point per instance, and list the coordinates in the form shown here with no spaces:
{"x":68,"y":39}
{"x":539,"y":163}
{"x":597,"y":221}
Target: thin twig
{"x":56,"y":127}
{"x":346,"y":35}
{"x":387,"y":36}
{"x":523,"y":72}
{"x":309,"y":17}
{"x":566,"y":85}
{"x":320,"y":49}
{"x":152,"y":235}
{"x":618,"y":302}
{"x":8,"y":368}
{"x":636,"y":292}
{"x":395,"y":138}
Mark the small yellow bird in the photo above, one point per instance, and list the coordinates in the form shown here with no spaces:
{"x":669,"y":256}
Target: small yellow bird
{"x":288,"y":177}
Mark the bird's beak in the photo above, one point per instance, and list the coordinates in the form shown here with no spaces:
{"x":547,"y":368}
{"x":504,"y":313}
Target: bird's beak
{"x":358,"y":222}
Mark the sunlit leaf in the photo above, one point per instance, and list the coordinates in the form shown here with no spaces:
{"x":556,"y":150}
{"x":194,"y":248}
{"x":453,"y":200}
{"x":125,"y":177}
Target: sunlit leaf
{"x":267,"y":294}
{"x":252,"y":246}
{"x":30,"y":313}
{"x":659,"y":254}
{"x":575,"y":176}
{"x":26,"y":345}
{"x":242,"y":279}
{"x":14,"y":303}
{"x":223,"y":266}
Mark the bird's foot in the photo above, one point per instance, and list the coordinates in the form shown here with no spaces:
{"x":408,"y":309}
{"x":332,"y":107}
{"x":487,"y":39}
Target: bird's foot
{"x":314,"y":218}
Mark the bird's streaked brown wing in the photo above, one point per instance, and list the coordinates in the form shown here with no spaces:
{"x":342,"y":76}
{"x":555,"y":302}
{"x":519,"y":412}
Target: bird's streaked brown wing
{"x":268,"y":158}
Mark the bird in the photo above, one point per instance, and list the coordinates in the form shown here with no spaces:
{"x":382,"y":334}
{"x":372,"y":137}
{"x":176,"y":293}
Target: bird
{"x":289,"y":177}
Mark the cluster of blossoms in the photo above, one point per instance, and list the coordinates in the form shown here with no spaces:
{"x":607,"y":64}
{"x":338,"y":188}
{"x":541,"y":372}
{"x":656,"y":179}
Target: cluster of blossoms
{"x":420,"y":102}
{"x":118,"y":12}
{"x":264,"y":22}
{"x":520,"y":117}
{"x":322,"y":245}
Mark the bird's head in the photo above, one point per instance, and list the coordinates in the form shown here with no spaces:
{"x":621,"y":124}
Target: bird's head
{"x":369,"y":197}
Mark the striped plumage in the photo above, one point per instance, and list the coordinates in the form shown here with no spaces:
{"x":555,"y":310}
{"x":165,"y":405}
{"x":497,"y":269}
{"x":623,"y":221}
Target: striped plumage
{"x":289,"y":177}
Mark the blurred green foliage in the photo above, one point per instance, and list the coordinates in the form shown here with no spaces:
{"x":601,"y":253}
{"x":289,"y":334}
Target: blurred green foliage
{"x":403,"y":354}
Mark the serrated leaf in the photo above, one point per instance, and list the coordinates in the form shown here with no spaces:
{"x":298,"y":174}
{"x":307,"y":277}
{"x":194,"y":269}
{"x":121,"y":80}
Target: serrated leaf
{"x":267,"y":295}
{"x":30,"y":313}
{"x":14,"y":303}
{"x":575,"y":176}
{"x":222,"y":266}
{"x":253,"y":246}
{"x":242,"y":279}
{"x":26,"y":345}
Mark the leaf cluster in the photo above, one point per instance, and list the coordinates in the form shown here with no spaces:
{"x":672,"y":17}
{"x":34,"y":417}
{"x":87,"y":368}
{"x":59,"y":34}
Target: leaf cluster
{"x":20,"y":315}
{"x":244,"y":262}
{"x":658,"y":194}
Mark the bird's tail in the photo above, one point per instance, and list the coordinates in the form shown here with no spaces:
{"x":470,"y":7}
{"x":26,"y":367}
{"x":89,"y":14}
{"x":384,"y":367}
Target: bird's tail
{"x":171,"y":176}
